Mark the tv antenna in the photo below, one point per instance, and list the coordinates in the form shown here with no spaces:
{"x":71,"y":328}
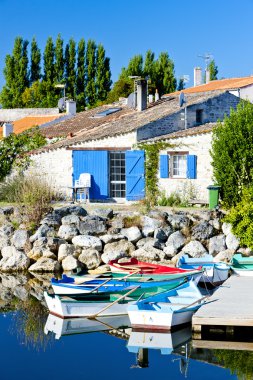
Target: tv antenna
{"x":207,"y":57}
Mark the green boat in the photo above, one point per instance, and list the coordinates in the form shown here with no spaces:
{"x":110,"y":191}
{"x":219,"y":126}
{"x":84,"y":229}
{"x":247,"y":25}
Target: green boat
{"x":242,"y":265}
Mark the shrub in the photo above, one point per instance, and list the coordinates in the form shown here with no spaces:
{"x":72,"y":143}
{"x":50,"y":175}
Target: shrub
{"x":132,"y":221}
{"x":172,"y":200}
{"x":241,"y":218}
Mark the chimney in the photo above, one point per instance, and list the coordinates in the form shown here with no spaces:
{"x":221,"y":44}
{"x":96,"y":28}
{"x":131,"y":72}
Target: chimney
{"x":70,"y":107}
{"x":197,"y":76}
{"x":150,"y":98}
{"x":7,"y":129}
{"x":141,"y":94}
{"x":207,"y":75}
{"x":156,"y":95}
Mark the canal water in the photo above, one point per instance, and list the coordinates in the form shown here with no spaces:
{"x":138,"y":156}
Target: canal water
{"x":36,"y":345}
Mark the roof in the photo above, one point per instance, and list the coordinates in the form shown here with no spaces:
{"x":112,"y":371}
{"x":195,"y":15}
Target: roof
{"x":86,"y":128}
{"x":28,"y":122}
{"x":215,"y":85}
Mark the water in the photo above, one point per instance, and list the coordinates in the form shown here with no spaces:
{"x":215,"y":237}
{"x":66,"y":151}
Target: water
{"x":26,"y":352}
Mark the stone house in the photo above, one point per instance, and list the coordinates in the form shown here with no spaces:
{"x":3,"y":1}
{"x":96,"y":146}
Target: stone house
{"x":102,"y":142}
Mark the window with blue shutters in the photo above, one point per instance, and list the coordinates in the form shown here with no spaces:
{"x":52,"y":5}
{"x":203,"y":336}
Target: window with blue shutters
{"x":164,"y":166}
{"x":135,"y":175}
{"x":191,"y":166}
{"x":178,"y":165}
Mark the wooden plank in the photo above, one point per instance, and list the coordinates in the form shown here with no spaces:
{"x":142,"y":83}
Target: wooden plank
{"x":222,"y":345}
{"x":230,"y":305}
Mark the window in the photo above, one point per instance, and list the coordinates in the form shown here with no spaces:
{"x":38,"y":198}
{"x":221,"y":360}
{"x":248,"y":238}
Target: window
{"x":199,"y":116}
{"x":117,"y":175}
{"x":107,"y":112}
{"x":178,"y":166}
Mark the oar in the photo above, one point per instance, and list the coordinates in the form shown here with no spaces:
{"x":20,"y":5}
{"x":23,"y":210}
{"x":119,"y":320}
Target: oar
{"x":193,"y":303}
{"x":113,"y":303}
{"x":99,"y":286}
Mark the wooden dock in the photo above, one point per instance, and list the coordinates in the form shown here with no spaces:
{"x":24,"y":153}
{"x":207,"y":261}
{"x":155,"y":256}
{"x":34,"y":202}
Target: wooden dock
{"x":230,"y":307}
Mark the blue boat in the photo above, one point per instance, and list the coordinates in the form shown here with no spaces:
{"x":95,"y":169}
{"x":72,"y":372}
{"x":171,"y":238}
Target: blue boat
{"x":215,"y":273}
{"x":166,"y":310}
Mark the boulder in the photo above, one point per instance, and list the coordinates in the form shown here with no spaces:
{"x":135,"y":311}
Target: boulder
{"x":149,"y":225}
{"x":70,"y":219}
{"x":215,"y":223}
{"x":67,"y":250}
{"x":4,"y":242}
{"x":110,"y":238}
{"x":226,"y":228}
{"x":150,"y":242}
{"x":67,"y":232}
{"x":7,"y":210}
{"x":74,"y":210}
{"x":91,"y":258}
{"x":92,"y":226}
{"x":50,"y":255}
{"x":54,"y":243}
{"x":6,"y":230}
{"x":52,"y":220}
{"x":116,"y":250}
{"x":224,"y":256}
{"x":203,"y":231}
{"x":13,"y":260}
{"x":163,"y":233}
{"x":217,"y":244}
{"x":232,"y":242}
{"x":106,"y":213}
{"x":70,"y":263}
{"x":21,"y":241}
{"x":43,"y":231}
{"x":86,"y":241}
{"x":194,"y":249}
{"x":132,"y":234}
{"x":178,"y":221}
{"x":175,"y":241}
{"x":45,"y":265}
{"x":148,"y":253}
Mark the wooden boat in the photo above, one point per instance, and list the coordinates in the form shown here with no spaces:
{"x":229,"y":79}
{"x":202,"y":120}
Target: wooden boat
{"x":214,"y":273}
{"x":62,"y":327}
{"x":103,"y":304}
{"x":166,"y":342}
{"x":167,"y":310}
{"x":137,"y":267}
{"x":68,"y":286}
{"x":242,"y":265}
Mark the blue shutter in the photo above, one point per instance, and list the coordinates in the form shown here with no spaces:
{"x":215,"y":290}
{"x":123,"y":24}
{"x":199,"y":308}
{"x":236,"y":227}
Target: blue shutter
{"x":164,"y":166}
{"x":191,"y":166}
{"x":94,"y":162}
{"x":135,"y":180}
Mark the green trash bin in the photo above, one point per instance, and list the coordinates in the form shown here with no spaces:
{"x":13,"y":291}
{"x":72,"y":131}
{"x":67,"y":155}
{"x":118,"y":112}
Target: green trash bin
{"x":213,"y":196}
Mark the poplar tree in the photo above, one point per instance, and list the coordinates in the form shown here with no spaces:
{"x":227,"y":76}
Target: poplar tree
{"x":49,"y":61}
{"x":149,"y":71}
{"x":59,"y":60}
{"x":180,"y":85}
{"x":91,"y":72}
{"x":103,"y":74}
{"x":135,"y":66}
{"x":213,"y":70}
{"x":35,"y":73}
{"x":80,"y":75}
{"x":165,"y":75}
{"x":71,"y":78}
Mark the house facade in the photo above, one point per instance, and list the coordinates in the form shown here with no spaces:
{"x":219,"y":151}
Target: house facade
{"x":103,"y":142}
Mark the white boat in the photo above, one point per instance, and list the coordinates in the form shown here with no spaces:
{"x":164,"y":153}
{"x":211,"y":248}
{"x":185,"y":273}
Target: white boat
{"x":242,"y":265}
{"x":166,"y":342}
{"x":61,"y":327}
{"x":215,"y":273}
{"x":167,"y":310}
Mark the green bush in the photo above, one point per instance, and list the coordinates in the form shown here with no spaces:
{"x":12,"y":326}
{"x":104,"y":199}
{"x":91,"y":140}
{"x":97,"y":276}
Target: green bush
{"x":241,"y":218}
{"x":172,"y":200}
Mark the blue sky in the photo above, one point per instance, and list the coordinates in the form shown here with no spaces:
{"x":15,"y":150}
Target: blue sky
{"x":183,"y":28}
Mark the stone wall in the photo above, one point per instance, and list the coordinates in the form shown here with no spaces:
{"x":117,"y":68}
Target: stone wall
{"x":213,"y":109}
{"x":19,"y":113}
{"x":200,"y":146}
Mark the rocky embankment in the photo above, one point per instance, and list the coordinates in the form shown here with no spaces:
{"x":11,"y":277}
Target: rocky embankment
{"x":70,"y":238}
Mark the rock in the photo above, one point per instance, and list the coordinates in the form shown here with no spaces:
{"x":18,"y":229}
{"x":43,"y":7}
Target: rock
{"x":86,"y":241}
{"x":106,"y":213}
{"x":116,"y":225}
{"x":21,"y":241}
{"x":13,"y":260}
{"x":7,"y":210}
{"x":159,"y":215}
{"x":116,"y":250}
{"x":150,"y":242}
{"x":54,"y":243}
{"x":91,"y":258}
{"x":108,"y":238}
{"x":203,"y":231}
{"x":232,"y":242}
{"x":43,"y":231}
{"x":226,"y":228}
{"x":132,"y":234}
{"x":224,"y":256}
{"x":74,"y":210}
{"x":50,"y":255}
{"x":194,"y":249}
{"x":52,"y":220}
{"x":67,"y":232}
{"x":70,"y":219}
{"x":215,"y":223}
{"x":217,"y":244}
{"x":175,"y":241}
{"x":4,"y":242}
{"x":245,"y":251}
{"x":148,"y":253}
{"x":178,"y":221}
{"x":45,"y":265}
{"x":92,"y":226}
{"x":69,"y":263}
{"x":66,"y":250}
{"x":149,"y":225}
{"x":175,"y":258}
{"x":163,"y":233}
{"x":6,"y":230}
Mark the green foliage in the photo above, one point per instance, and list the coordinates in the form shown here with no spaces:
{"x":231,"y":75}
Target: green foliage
{"x":151,"y":169}
{"x":91,"y":73}
{"x":80,"y":76}
{"x":239,"y":362}
{"x":172,"y":200}
{"x":13,"y":147}
{"x":232,"y":152}
{"x":213,"y":70}
{"x":49,"y":61}
{"x":35,"y":62}
{"x":103,"y":74}
{"x":59,"y":60}
{"x":122,"y":88}
{"x":180,"y":85}
{"x":241,"y":218}
{"x":71,"y":75}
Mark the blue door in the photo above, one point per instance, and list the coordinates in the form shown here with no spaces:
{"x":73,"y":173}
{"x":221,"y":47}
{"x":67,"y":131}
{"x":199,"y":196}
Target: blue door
{"x":94,"y":162}
{"x":135,"y":178}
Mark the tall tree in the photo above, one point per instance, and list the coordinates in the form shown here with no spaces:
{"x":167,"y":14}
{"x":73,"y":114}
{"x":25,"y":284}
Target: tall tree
{"x":180,"y":85}
{"x":59,"y":60}
{"x":35,"y":73}
{"x":165,"y":75}
{"x":91,"y":72}
{"x":149,"y":70}
{"x":213,"y":70}
{"x":80,"y":76}
{"x":135,"y":66}
{"x":71,"y":78}
{"x":7,"y":93}
{"x":49,"y":61}
{"x":103,"y":74}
